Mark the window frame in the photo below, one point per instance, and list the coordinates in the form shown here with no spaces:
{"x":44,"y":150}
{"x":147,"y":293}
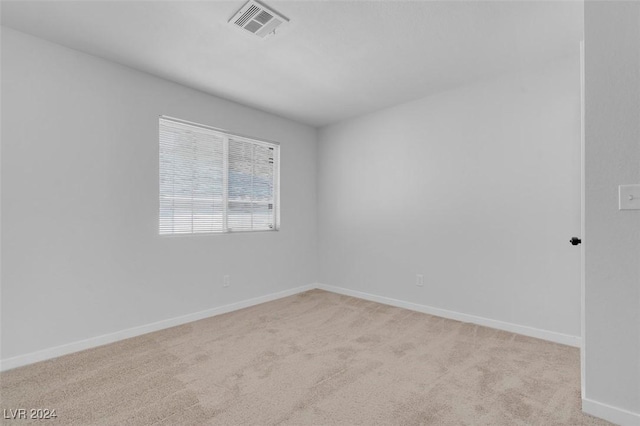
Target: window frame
{"x":226,"y":135}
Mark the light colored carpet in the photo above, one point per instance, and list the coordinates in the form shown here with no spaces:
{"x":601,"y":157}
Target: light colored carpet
{"x":314,"y":358}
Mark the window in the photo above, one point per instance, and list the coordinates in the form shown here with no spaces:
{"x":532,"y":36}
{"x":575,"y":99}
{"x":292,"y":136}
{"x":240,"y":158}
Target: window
{"x":213,"y":181}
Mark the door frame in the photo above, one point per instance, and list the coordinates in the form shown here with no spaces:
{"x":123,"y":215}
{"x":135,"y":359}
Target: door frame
{"x":582,"y":224}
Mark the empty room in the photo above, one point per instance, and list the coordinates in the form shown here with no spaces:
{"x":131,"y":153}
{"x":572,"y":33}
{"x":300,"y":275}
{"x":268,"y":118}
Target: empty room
{"x":318,"y":212}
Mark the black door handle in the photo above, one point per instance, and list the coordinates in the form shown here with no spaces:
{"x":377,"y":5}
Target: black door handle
{"x":575,"y":241}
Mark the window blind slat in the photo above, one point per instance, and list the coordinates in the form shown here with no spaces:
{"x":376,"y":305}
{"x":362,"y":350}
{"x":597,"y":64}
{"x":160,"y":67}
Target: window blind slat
{"x":214,"y":182}
{"x":251,"y":186}
{"x":191,"y":176}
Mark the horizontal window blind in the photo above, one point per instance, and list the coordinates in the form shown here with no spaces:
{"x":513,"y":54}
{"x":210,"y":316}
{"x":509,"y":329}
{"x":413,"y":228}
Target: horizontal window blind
{"x":251,"y":186}
{"x":191,"y":179}
{"x":211,"y":181}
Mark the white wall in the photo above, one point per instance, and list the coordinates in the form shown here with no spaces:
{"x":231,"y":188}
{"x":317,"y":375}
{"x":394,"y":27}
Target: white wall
{"x":477,"y":188}
{"x":81,"y":253}
{"x":612,"y":237}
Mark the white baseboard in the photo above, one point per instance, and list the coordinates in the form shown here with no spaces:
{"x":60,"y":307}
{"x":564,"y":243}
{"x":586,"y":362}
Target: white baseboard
{"x":612,"y":414}
{"x":42,"y":355}
{"x":594,"y":408}
{"x":552,"y":336}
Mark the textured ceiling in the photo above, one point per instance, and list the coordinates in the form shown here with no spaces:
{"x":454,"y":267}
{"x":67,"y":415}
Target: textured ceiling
{"x":335,"y":60}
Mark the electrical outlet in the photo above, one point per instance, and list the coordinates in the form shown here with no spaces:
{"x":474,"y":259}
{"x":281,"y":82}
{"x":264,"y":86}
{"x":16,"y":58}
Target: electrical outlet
{"x":419,"y":280}
{"x":226,"y":280}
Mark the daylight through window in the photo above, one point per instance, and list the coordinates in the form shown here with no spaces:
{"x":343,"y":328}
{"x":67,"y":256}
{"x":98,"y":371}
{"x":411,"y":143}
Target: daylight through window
{"x":212,"y":181}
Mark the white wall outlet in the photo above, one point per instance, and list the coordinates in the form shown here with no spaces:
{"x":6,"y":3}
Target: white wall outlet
{"x":419,"y":280}
{"x":226,"y":280}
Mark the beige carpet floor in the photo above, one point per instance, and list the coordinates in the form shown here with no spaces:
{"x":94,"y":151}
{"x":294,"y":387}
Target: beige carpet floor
{"x":314,"y":358}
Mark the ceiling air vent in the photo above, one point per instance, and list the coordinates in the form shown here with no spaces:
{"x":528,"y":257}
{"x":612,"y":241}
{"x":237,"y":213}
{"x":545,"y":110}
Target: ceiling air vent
{"x":258,"y":19}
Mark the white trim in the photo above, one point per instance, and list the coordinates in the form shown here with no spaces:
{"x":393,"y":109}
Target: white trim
{"x":594,"y":408}
{"x":610,"y":413}
{"x":30,"y":358}
{"x":45,"y":354}
{"x":552,"y":336}
{"x":583,"y":233}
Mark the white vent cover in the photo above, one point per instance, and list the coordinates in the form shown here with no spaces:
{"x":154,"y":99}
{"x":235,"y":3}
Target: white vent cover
{"x":258,"y":19}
